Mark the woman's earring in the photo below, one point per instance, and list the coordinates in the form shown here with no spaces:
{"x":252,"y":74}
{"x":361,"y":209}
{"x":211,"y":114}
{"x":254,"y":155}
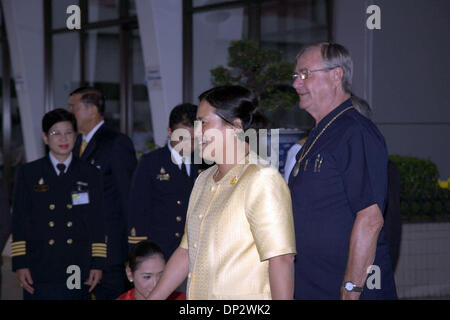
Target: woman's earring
{"x":131,"y":280}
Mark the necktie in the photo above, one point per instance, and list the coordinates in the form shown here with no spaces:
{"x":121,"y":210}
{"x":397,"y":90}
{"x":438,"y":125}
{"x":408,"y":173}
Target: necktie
{"x":61,"y":167}
{"x":83,"y":146}
{"x":184,"y":169}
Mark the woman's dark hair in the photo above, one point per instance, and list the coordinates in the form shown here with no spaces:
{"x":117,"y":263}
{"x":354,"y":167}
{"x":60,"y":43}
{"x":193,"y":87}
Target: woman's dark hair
{"x":142,"y":251}
{"x":55,"y":116}
{"x":236,"y":102}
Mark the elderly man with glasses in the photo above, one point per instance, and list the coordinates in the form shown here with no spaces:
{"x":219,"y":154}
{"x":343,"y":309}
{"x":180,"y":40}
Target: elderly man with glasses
{"x":338,"y":187}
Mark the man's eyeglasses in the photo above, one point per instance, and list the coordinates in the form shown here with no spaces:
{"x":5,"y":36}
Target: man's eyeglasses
{"x":305,"y":73}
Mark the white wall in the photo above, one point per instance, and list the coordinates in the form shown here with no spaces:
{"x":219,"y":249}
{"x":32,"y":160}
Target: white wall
{"x":423,"y":265}
{"x":403,"y":71}
{"x":24,"y":27}
{"x":160,"y":26}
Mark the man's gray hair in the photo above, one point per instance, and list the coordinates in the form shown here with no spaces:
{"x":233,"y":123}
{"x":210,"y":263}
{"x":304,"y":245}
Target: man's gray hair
{"x":362,"y":106}
{"x":334,"y":55}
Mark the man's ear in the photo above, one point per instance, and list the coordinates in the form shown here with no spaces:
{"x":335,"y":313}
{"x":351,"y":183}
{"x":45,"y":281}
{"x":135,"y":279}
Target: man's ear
{"x":237,"y":123}
{"x":45,"y":138}
{"x":338,"y":74}
{"x":169,"y":132}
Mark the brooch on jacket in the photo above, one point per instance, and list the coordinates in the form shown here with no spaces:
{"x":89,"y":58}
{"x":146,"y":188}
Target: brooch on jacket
{"x":41,"y":186}
{"x":163,"y":176}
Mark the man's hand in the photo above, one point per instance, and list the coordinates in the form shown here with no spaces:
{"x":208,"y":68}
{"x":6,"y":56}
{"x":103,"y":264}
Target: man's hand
{"x":25,"y":280}
{"x":95,"y":276}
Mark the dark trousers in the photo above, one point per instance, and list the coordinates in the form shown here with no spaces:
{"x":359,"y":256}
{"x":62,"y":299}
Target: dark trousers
{"x":114,"y":282}
{"x":52,"y":291}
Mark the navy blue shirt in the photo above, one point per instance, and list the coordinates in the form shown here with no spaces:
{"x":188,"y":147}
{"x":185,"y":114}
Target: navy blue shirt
{"x":344,"y":173}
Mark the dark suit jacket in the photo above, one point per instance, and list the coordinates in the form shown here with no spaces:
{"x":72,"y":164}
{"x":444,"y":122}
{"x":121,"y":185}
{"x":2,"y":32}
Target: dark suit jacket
{"x":5,"y":216}
{"x":159,"y":198}
{"x":113,"y":154}
{"x":51,"y":230}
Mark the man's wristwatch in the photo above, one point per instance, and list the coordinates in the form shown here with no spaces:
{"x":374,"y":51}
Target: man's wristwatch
{"x":351,"y":287}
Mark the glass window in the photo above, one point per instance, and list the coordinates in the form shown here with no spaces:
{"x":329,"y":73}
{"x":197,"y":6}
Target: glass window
{"x":102,"y":69}
{"x":100,"y":10}
{"x":142,"y":123}
{"x":66,"y":66}
{"x":59,"y":12}
{"x":287,"y":25}
{"x":198,"y":3}
{"x":132,"y":8}
{"x":213,"y":32}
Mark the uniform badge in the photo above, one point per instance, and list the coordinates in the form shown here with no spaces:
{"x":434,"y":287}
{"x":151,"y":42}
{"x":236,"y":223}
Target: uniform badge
{"x":234,"y":180}
{"x":81,"y":185}
{"x":41,"y":186}
{"x":163,"y":176}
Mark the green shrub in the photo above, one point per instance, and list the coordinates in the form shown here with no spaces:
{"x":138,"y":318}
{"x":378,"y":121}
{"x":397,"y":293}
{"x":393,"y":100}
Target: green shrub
{"x":421,"y":198}
{"x":263,"y":71}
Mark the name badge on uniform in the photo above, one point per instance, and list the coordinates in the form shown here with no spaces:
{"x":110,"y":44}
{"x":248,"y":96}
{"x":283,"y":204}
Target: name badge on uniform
{"x":80,"y":198}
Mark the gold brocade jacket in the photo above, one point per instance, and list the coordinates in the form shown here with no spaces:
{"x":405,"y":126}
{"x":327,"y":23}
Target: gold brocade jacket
{"x":232,"y":228}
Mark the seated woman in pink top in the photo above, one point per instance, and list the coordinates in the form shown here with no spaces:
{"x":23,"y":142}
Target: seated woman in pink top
{"x":146,"y":265}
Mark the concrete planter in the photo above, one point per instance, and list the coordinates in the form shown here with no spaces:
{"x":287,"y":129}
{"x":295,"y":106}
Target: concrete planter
{"x":423,"y":268}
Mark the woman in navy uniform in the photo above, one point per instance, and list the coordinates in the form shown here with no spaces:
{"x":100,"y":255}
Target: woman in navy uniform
{"x":58,"y":247}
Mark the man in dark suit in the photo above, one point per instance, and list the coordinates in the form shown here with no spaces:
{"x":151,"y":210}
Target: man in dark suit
{"x":162,"y":184}
{"x":5,"y":220}
{"x":114,"y":155}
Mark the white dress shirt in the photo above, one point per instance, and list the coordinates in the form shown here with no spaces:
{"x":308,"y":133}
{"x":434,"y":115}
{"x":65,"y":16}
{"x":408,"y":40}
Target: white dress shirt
{"x":178,"y":159}
{"x":56,"y":161}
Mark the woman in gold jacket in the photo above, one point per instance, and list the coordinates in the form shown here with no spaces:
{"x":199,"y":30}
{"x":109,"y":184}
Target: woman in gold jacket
{"x":239,"y":238}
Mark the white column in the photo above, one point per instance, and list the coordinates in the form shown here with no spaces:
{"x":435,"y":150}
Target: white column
{"x":25,"y":30}
{"x":160,"y":26}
